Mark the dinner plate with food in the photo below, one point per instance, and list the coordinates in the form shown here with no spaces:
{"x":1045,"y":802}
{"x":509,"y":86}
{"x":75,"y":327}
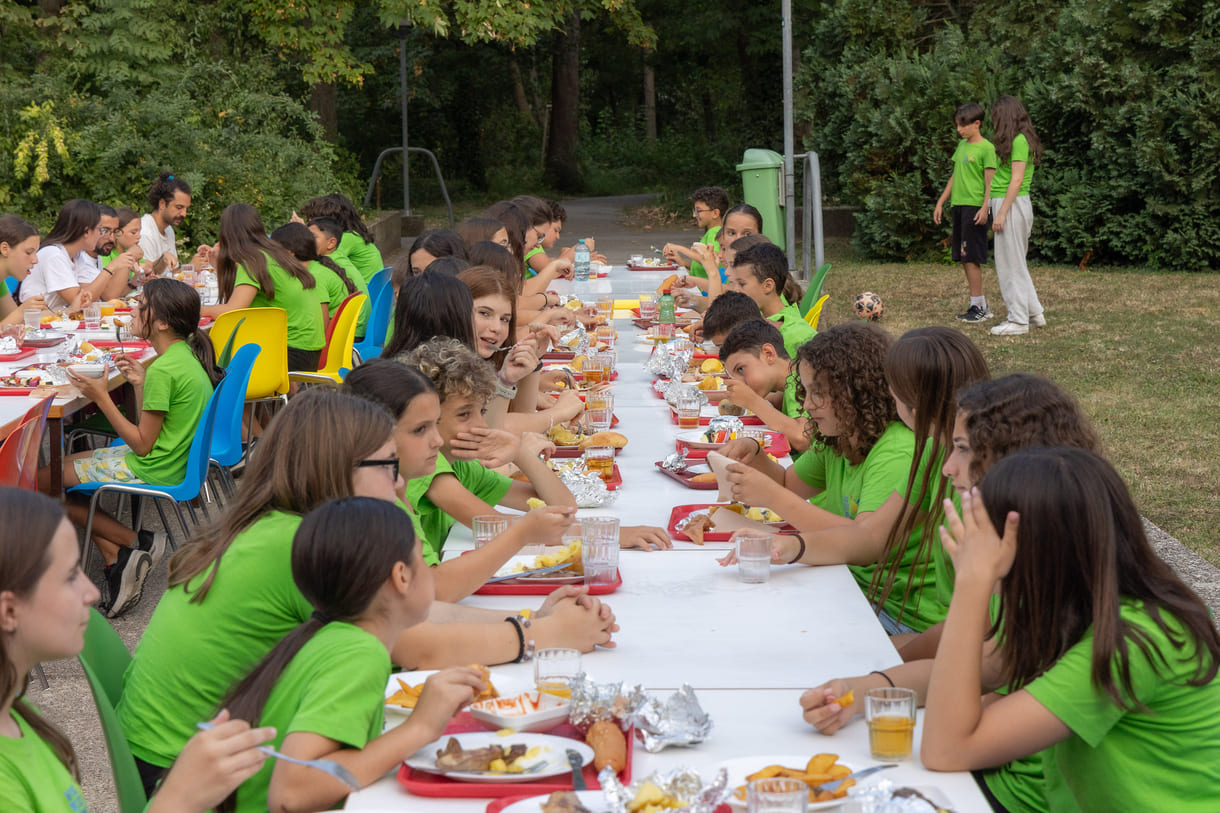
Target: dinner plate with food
{"x":524,"y":566}
{"x":814,"y":771}
{"x":562,"y":801}
{"x":489,"y":756}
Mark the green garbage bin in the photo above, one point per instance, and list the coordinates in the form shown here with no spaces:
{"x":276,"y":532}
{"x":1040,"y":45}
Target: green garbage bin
{"x":762,"y":181}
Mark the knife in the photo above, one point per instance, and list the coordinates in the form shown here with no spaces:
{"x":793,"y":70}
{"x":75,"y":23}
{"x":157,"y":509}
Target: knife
{"x":525,"y":574}
{"x":833,"y":786}
{"x":578,"y":775}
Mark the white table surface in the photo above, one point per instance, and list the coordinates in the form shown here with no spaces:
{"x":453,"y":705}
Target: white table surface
{"x":748,"y":650}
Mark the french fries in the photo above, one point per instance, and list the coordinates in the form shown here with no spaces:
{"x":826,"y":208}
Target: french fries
{"x":406,"y":696}
{"x":820,"y":769}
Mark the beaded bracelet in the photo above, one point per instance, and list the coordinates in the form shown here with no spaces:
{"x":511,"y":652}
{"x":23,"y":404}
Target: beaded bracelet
{"x":525,"y":650}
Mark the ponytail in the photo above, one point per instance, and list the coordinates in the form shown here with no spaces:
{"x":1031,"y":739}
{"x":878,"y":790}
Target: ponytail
{"x":792,"y":290}
{"x":201,"y":346}
{"x":338,"y":269}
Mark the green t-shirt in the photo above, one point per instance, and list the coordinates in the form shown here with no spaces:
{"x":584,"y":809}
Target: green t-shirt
{"x":176,"y":385}
{"x":32,"y":778}
{"x":489,"y":486}
{"x":793,"y":327}
{"x":849,"y":490}
{"x":329,"y":282}
{"x":364,"y":256}
{"x":533,"y":252}
{"x":1003,"y":173}
{"x":708,"y":239}
{"x":333,"y":687}
{"x":107,"y":259}
{"x":969,"y":163}
{"x":306,"y":330}
{"x":192,"y":653}
{"x":362,"y":286}
{"x":1167,"y":758}
{"x":431,"y":558}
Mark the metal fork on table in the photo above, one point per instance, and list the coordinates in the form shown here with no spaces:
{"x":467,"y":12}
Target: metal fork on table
{"x":324,"y":765}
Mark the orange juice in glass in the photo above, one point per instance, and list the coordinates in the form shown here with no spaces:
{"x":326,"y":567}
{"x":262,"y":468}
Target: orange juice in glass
{"x":107,"y":309}
{"x":890,"y":713}
{"x":554,"y":670}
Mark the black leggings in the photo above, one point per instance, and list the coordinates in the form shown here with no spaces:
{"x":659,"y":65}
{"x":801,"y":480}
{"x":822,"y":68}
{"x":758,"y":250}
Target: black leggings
{"x":151,"y":775}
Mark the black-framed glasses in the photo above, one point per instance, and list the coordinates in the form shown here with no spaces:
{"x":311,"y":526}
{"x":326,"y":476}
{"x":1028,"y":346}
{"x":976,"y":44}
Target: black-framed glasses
{"x":389,"y":462}
{"x":699,"y":211}
{"x":105,"y":230}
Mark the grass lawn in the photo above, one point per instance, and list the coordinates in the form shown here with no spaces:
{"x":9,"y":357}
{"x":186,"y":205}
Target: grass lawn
{"x":1139,"y":349}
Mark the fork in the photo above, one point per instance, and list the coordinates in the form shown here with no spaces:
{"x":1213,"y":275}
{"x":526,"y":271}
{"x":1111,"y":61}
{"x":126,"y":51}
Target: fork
{"x":325,"y":765}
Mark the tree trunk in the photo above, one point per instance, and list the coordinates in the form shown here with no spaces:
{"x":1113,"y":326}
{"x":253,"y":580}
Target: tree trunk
{"x":650,"y":100}
{"x":519,"y":89}
{"x":561,"y":169}
{"x":322,"y":102}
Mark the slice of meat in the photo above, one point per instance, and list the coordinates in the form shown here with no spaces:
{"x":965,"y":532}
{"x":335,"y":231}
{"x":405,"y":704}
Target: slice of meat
{"x":563,"y":801}
{"x":454,"y":758}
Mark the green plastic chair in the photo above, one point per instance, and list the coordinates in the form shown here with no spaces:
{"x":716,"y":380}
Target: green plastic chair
{"x":814,"y":292}
{"x":105,"y":659}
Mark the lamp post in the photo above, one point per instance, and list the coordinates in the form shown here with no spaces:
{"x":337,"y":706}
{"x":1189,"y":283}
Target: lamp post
{"x":404,"y":28}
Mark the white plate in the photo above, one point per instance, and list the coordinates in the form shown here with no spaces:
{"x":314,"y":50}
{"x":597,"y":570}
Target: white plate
{"x":551,"y":712}
{"x":552,"y":757}
{"x":694,"y":439}
{"x":508,"y":567}
{"x":738,"y":769}
{"x":409,"y":678}
{"x":593,"y":800}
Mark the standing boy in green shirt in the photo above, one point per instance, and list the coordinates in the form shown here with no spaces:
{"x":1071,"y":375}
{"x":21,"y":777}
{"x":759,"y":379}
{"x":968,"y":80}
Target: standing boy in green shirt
{"x":968,"y":190}
{"x":710,"y":204}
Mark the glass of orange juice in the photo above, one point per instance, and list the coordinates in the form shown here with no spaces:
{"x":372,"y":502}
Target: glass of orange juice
{"x":554,"y":670}
{"x":107,"y":309}
{"x":890,"y":712}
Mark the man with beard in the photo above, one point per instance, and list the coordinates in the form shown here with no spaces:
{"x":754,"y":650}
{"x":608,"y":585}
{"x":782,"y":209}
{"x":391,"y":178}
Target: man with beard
{"x":109,"y":282}
{"x":169,"y":199}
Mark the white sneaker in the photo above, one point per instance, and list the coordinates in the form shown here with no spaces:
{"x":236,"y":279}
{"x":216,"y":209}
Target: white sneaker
{"x":1038,"y":321}
{"x":1009,"y":329}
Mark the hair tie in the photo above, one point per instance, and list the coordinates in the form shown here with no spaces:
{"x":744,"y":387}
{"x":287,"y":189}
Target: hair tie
{"x":169,"y":177}
{"x":321,"y":617}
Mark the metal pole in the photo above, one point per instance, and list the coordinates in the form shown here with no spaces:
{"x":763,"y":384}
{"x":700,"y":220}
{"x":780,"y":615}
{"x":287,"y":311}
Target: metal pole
{"x":403,"y":28}
{"x":789,"y":176}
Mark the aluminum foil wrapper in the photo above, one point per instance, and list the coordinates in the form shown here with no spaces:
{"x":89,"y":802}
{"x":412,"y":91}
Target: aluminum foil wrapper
{"x":592,"y":702}
{"x":682,"y":783}
{"x":54,"y":376}
{"x":729,"y":423}
{"x":686,"y":520}
{"x":587,"y":487}
{"x":576,"y":340}
{"x":679,"y":720}
{"x":883,"y":797}
{"x":664,"y":365}
{"x":675,"y":462}
{"x":678,"y":389}
{"x":8,"y":346}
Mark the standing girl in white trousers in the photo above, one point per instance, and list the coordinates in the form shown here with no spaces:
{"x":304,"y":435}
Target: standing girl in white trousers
{"x":1018,"y":150}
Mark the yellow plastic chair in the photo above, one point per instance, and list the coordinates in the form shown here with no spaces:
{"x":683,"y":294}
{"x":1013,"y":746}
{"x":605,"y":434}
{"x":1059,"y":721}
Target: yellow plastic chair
{"x":815,"y":313}
{"x":268,"y":328}
{"x":339,"y":349}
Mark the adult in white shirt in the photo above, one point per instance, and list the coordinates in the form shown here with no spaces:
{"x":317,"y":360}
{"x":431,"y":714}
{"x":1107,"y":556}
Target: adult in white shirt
{"x":103,"y":282}
{"x":169,"y":200}
{"x":54,"y":275}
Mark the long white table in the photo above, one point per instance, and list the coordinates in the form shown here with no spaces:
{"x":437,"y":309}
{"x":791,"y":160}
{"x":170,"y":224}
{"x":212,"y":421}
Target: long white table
{"x":748,"y":650}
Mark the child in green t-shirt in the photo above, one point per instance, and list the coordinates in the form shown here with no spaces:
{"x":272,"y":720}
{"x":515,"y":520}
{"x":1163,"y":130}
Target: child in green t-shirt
{"x":968,"y":192}
{"x":761,"y":273}
{"x":323,"y":686}
{"x":171,"y":395}
{"x":761,"y":379}
{"x":710,"y":204}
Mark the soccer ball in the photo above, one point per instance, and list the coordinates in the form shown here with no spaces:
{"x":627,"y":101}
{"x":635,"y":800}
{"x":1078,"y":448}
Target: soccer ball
{"x":868,"y":306}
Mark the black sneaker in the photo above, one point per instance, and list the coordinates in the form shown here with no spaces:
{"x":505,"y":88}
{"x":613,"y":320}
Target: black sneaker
{"x":126,"y":578}
{"x":155,"y":543}
{"x":975,"y":314}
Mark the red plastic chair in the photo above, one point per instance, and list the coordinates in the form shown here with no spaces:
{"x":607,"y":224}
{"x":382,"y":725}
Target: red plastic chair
{"x":330,"y":327}
{"x":29,"y":459}
{"x":19,"y":453}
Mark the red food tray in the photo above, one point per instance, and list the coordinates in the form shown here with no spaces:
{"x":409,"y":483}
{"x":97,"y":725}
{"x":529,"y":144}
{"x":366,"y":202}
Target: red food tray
{"x":559,"y":355}
{"x":45,"y":342}
{"x":499,"y":804}
{"x":681,"y":512}
{"x":136,"y":344}
{"x":508,"y":589}
{"x":685,"y":479}
{"x":573,"y":451}
{"x":205,"y":321}
{"x":616,"y":479}
{"x":21,"y":391}
{"x":704,"y":420}
{"x":24,"y":352}
{"x":670,"y":267}
{"x":426,"y":784}
{"x":777,"y":446}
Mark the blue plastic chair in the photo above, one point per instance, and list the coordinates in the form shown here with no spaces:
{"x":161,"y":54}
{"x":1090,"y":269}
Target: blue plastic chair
{"x":227,"y":448}
{"x":381,"y":294}
{"x":11,"y":283}
{"x":190,"y":488}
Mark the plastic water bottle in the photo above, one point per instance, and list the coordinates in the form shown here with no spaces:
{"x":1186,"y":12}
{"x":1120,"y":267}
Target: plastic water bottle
{"x":582,"y":261}
{"x":665,"y":316}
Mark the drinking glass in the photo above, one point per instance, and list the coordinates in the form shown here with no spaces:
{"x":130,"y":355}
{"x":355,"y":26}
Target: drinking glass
{"x":777,"y":795}
{"x":487,"y":527}
{"x":554,"y":670}
{"x":599,"y":549}
{"x":593,"y":370}
{"x":601,"y":399}
{"x":648,"y":306}
{"x":600,"y":459}
{"x":33,"y":320}
{"x":93,"y":317}
{"x":599,"y":419}
{"x":689,"y":407}
{"x":753,"y":556}
{"x":608,"y":359}
{"x":605,"y":309}
{"x":605,"y":335}
{"x":15,"y":332}
{"x":890,"y":712}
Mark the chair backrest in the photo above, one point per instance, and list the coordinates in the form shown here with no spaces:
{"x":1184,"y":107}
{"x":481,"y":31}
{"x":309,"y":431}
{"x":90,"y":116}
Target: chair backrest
{"x":267,"y":328}
{"x":37,"y":416}
{"x":814,"y":314}
{"x":814,"y":292}
{"x":11,"y":457}
{"x":339,"y":350}
{"x":377,"y":283}
{"x":105,"y":659}
{"x":201,"y":449}
{"x":379,"y":321}
{"x":19,"y":448}
{"x":330,"y":327}
{"x":12,"y":283}
{"x":226,"y":433}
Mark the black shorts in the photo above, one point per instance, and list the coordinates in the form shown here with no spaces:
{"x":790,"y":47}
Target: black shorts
{"x":305,"y":361}
{"x":969,"y":238}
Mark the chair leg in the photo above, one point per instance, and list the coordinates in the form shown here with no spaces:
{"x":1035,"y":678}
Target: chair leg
{"x":165,"y":523}
{"x":87,"y":553}
{"x":42,"y":676}
{"x":186,"y":531}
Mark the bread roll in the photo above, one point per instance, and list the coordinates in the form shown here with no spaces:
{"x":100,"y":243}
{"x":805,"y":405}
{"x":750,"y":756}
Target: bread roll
{"x":705,"y":477}
{"x":669,"y":283}
{"x":615,"y":439}
{"x":608,"y":744}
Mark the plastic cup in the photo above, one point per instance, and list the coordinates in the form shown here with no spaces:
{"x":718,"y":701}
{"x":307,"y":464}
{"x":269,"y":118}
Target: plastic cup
{"x":554,"y":670}
{"x":890,"y":713}
{"x":600,"y":460}
{"x":93,"y":317}
{"x":753,"y":556}
{"x":777,"y":795}
{"x":487,"y":527}
{"x":599,"y":549}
